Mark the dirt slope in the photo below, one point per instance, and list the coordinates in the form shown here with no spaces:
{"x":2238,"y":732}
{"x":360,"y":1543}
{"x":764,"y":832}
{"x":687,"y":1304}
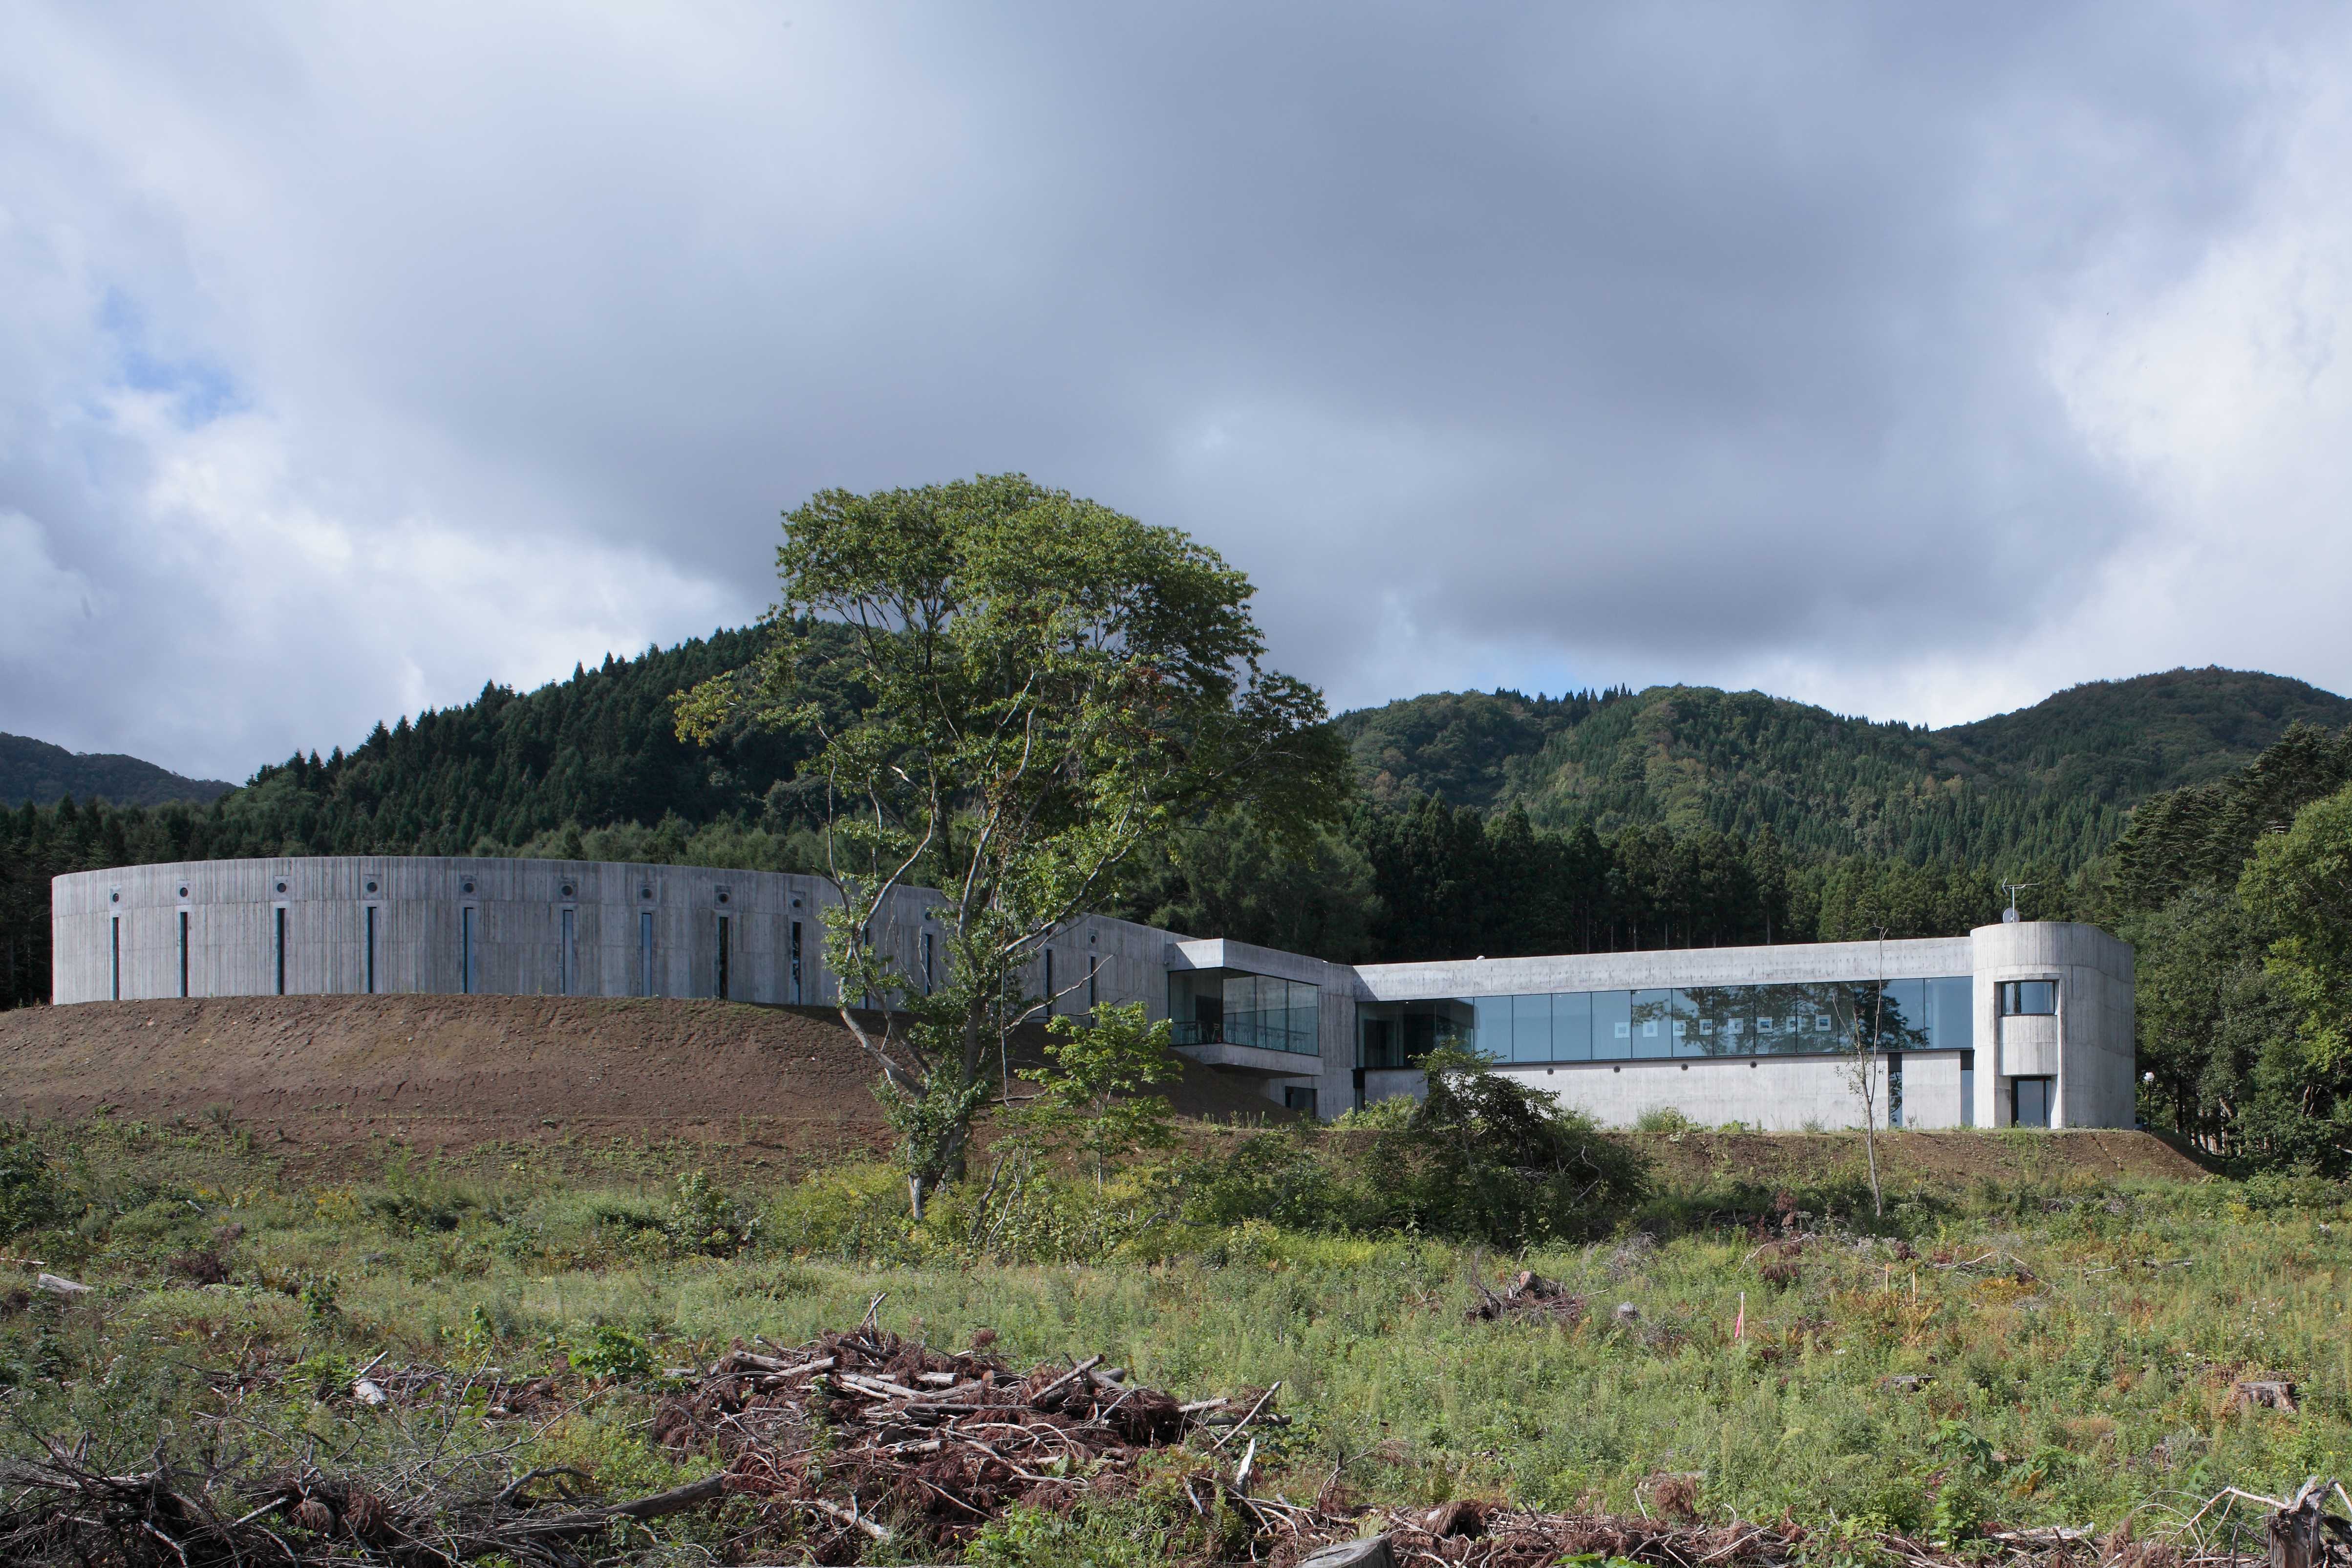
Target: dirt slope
{"x":312,"y":1075}
{"x":452,"y":1072}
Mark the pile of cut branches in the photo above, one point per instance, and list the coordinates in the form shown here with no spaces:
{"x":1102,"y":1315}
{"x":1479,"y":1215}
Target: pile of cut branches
{"x":1529,"y":1298}
{"x":869,"y":1434}
{"x":2296,"y":1532}
{"x":62,"y":1509}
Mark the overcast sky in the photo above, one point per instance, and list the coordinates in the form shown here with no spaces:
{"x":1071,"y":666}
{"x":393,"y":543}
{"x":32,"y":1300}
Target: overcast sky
{"x":1916,"y":361}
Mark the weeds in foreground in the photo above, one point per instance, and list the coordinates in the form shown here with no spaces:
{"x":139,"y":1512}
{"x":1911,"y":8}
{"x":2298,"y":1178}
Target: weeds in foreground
{"x":2056,"y":1353}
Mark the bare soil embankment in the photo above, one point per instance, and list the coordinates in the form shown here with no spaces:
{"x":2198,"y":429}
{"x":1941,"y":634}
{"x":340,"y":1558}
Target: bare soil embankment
{"x":777,"y":1084}
{"x":455,"y":1072}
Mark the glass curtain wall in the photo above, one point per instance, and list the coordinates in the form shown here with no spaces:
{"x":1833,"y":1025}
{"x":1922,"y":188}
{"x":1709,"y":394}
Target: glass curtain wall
{"x":1811,"y":1020}
{"x":1227,"y":1008}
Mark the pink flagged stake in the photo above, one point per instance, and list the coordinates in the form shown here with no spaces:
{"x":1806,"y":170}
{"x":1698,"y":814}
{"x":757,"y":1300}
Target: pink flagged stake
{"x":1740,"y":1324}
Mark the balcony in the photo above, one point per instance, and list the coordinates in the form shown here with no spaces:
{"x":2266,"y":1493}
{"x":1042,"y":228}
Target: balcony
{"x":1246,"y":1023}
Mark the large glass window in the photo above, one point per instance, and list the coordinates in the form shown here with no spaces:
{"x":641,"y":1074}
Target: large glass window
{"x":1653,"y":1025}
{"x":1572,"y":1026}
{"x":1221,"y":1006}
{"x":1447,"y":1021}
{"x":1782,"y":1012}
{"x":1612,"y":1026}
{"x":1532,"y":1039}
{"x":1817,"y":1019}
{"x":1494,"y":1028}
{"x":1951,"y":1014}
{"x":1681,"y":1023}
{"x":2028,"y":997}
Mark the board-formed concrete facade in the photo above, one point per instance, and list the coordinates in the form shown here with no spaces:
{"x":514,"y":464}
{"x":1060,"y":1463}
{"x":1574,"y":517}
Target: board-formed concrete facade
{"x":2025,"y":1022}
{"x":345,"y":925}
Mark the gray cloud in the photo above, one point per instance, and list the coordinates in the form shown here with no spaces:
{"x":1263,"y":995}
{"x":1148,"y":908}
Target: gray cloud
{"x":353,"y":359}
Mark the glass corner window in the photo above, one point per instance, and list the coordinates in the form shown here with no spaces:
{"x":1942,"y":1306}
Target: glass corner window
{"x":1226,"y":1007}
{"x":2028,"y":998}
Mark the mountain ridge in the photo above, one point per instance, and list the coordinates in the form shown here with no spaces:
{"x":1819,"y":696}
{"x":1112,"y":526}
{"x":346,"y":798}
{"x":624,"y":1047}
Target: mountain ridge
{"x":2053,"y":781}
{"x":43,"y":773}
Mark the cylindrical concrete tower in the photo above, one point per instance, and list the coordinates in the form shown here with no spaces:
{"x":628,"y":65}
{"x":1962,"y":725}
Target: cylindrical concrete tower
{"x":2054,"y":1026}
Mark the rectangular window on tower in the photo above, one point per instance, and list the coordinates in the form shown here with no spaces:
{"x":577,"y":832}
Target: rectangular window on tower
{"x":183,"y":952}
{"x":114,"y":959}
{"x":1094,"y":980}
{"x":567,"y":971}
{"x":466,"y":950}
{"x":1049,"y":982}
{"x":796,"y":963}
{"x":720,"y":967}
{"x":645,"y":953}
{"x":1967,"y":1088}
{"x":926,"y":964}
{"x":280,"y":944}
{"x":371,"y":950}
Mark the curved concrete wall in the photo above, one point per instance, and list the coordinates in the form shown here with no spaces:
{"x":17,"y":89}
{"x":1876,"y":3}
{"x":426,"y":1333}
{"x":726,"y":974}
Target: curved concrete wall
{"x":2087,"y":1045}
{"x":352,"y":924}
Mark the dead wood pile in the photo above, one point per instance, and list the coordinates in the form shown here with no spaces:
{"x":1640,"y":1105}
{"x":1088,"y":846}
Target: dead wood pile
{"x":852,"y":1440}
{"x":62,"y":1509}
{"x":866,"y":1434}
{"x":2296,"y":1532}
{"x":1529,"y":1297}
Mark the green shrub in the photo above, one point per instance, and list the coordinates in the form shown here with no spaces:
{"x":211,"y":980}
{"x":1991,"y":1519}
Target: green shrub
{"x":416,"y":1210}
{"x":1664,"y":1118}
{"x":1029,"y":1209}
{"x":706,"y":1222}
{"x":1283,"y":1178}
{"x":1381,"y":1116}
{"x":1486,"y":1158}
{"x":853,"y":1212}
{"x":1097,"y":1534}
{"x":2276,"y":1192}
{"x":614,"y":1354}
{"x":31,"y":1196}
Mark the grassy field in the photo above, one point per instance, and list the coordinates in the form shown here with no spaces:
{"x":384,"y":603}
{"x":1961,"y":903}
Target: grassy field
{"x":2080,"y":1337}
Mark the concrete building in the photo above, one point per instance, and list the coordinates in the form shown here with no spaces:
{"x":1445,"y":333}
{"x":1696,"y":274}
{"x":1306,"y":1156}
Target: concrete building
{"x":2026,"y":1023}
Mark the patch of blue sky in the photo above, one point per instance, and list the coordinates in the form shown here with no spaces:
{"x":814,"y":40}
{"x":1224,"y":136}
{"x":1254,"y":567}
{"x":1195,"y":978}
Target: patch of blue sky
{"x":201,"y":390}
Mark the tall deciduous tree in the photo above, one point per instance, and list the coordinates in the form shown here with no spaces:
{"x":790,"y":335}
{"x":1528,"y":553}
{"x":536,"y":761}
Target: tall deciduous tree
{"x":1048,"y":686}
{"x":2298,"y":888}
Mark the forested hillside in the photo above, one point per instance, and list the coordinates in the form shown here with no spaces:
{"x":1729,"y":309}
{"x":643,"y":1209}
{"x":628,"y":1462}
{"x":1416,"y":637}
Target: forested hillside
{"x":1488,"y":824}
{"x":508,"y":772}
{"x":2237,"y":895}
{"x":35,"y":770}
{"x":2052,"y":784}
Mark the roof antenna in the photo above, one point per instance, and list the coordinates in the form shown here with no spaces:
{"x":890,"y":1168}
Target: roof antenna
{"x":2010,"y":915}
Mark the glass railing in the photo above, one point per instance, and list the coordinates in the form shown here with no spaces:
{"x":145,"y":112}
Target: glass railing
{"x":1289,"y":1030}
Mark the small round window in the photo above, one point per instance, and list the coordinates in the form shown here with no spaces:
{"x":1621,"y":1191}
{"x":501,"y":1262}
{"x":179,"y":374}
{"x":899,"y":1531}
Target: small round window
{"x":722,"y":897}
{"x":282,"y":887}
{"x":567,"y":889}
{"x":114,"y":898}
{"x":468,"y":886}
{"x":183,"y":892}
{"x":370,"y":887}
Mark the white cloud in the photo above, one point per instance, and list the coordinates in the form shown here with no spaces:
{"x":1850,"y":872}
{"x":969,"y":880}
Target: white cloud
{"x":39,"y":600}
{"x":1913,"y":362}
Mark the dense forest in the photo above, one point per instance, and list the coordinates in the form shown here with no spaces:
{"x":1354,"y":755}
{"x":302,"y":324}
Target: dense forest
{"x":39,"y":772}
{"x":2053,"y":783}
{"x":2188,"y":811}
{"x":1445,"y":853}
